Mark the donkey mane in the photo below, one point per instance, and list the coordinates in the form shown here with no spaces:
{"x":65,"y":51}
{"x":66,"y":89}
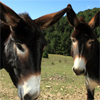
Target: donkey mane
{"x":24,"y":15}
{"x":81,"y":19}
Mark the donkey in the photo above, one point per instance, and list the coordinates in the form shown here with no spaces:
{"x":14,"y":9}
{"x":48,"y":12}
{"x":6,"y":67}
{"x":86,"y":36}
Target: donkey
{"x":85,"y":50}
{"x":22,"y":44}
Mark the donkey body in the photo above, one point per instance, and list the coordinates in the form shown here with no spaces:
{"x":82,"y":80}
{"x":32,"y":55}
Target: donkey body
{"x":22,"y":44}
{"x":85,"y":50}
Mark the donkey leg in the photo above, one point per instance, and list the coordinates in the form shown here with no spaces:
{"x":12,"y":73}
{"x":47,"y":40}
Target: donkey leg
{"x":90,"y":91}
{"x":90,"y":94}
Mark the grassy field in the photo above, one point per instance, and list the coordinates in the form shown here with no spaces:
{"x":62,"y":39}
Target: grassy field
{"x":58,"y":81}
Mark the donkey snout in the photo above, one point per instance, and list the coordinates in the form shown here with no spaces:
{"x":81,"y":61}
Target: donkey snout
{"x":30,"y":89}
{"x":31,"y":97}
{"x":78,"y":71}
{"x":79,"y":66}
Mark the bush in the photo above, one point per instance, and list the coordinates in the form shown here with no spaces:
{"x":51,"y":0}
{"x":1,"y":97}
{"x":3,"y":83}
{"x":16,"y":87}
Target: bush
{"x":45,"y":54}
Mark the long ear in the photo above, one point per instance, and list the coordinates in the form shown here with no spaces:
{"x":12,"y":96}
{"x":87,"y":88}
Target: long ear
{"x":50,"y":19}
{"x":4,"y":34}
{"x":72,"y":18}
{"x":9,"y":16}
{"x":5,"y":31}
{"x":95,"y":21}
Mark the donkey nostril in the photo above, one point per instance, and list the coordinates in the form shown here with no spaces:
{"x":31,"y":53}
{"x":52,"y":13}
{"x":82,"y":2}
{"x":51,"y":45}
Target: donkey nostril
{"x":31,"y":97}
{"x":27,"y":97}
{"x":78,"y":72}
{"x":73,"y":69}
{"x":83,"y":71}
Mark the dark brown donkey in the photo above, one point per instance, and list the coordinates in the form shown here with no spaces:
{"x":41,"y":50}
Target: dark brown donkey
{"x":22,"y":44}
{"x":85,"y":50}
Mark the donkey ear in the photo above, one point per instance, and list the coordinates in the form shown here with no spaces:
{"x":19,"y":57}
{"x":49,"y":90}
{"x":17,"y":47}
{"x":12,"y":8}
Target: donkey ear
{"x":5,"y":31}
{"x":72,"y":18}
{"x":48,"y":20}
{"x":95,"y":21}
{"x":9,"y":16}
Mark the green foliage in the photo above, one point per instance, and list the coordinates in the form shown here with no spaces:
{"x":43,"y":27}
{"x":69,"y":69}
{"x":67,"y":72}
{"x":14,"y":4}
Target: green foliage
{"x":58,"y":36}
{"x":45,"y":54}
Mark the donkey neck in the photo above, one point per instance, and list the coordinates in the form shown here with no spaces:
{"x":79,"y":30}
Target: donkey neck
{"x":93,"y":65}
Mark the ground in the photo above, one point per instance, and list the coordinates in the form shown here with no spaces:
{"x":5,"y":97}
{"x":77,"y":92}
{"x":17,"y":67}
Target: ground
{"x":58,"y":82}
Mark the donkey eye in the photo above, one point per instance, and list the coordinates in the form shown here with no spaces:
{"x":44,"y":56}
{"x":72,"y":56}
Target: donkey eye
{"x":90,"y":42}
{"x":19,"y":47}
{"x":73,"y":40}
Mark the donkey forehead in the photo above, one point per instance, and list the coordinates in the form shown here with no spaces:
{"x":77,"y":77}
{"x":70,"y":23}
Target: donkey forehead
{"x":30,"y":31}
{"x":82,"y":30}
{"x":27,"y":19}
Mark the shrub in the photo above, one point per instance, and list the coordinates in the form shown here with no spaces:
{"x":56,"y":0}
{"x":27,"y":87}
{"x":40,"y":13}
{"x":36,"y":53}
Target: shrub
{"x":45,"y":54}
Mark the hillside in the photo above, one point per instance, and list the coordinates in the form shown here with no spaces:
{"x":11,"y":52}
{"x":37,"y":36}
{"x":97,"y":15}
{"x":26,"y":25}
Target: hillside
{"x":58,"y":36}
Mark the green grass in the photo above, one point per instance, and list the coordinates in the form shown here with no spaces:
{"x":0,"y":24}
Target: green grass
{"x":57,"y":81}
{"x":99,"y":39}
{"x":59,"y":72}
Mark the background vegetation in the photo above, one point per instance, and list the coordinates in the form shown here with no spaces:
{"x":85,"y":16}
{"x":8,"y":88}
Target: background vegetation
{"x":58,"y":36}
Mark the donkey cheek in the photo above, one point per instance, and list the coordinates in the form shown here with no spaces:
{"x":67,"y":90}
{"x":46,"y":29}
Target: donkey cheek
{"x":87,"y":54}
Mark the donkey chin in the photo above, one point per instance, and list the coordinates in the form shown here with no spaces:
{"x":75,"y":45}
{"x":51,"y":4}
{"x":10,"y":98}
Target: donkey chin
{"x":79,"y":67}
{"x":29,"y":89}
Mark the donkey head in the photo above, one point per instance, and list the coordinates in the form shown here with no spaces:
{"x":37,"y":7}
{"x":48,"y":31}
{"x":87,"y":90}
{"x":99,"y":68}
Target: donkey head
{"x":83,"y":40}
{"x":23,"y":44}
